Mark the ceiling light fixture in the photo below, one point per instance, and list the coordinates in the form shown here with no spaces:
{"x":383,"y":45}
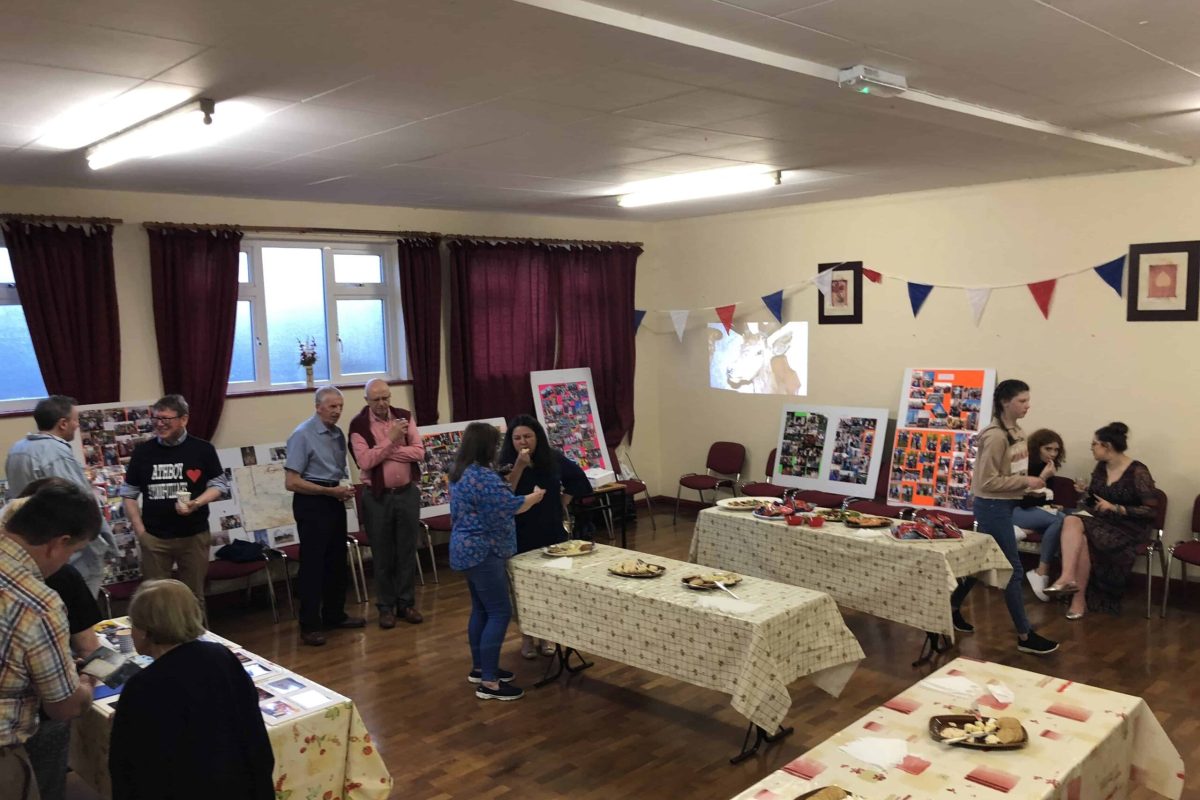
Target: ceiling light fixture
{"x":698,"y":185}
{"x":108,"y":114}
{"x":871,"y":80}
{"x":199,"y":123}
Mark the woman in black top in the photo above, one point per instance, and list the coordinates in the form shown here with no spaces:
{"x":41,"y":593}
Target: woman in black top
{"x":535,"y":463}
{"x":188,"y":727}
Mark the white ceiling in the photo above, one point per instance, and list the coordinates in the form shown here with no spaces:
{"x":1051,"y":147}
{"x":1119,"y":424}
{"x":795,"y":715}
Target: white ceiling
{"x":499,"y":105}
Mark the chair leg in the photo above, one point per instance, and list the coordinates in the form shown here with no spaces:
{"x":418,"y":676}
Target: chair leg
{"x":1149,"y":578}
{"x":287,"y":582}
{"x":107,"y":602}
{"x":650,"y":508}
{"x":675,"y":516}
{"x":362,"y":572}
{"x":1164,"y":567}
{"x":429,"y":547}
{"x":420,"y":572}
{"x":271,"y":591}
{"x":351,"y":550}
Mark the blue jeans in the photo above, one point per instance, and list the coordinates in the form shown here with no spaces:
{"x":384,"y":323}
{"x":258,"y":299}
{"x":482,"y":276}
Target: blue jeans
{"x":995,"y":518}
{"x":491,"y":610}
{"x":1048,"y":523}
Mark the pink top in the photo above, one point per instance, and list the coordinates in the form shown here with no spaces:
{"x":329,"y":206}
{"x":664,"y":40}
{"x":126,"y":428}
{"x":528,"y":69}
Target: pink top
{"x":395,"y":458}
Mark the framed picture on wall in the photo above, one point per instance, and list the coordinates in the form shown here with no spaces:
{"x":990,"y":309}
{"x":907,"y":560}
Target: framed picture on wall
{"x":843,"y":306}
{"x":1164,"y":282}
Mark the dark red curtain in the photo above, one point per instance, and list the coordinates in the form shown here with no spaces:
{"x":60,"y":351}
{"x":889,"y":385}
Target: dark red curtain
{"x":194,"y":278}
{"x":421,"y":299}
{"x":502,"y":326}
{"x":65,"y":281}
{"x":595,"y":311}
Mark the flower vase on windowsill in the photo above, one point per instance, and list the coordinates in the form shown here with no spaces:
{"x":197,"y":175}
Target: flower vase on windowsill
{"x":308,"y":376}
{"x":308,"y":357}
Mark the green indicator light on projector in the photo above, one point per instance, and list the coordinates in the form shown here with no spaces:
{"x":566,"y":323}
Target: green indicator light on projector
{"x":865,"y":90}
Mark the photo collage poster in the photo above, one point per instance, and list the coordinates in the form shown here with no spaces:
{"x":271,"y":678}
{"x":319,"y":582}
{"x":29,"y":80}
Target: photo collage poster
{"x":830,"y":449}
{"x":940,"y":414}
{"x":441,"y":445}
{"x":566,"y":409}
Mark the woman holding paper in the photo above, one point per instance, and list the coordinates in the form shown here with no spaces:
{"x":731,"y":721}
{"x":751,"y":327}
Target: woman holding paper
{"x":535,"y":463}
{"x":188,"y":726}
{"x":482,"y":538}
{"x":999,"y":483}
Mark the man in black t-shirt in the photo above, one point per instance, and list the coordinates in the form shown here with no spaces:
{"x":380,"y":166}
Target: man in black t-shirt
{"x":177,"y":476}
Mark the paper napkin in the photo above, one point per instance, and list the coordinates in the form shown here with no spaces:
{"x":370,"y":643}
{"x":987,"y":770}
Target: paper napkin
{"x":877,"y":751}
{"x":1001,"y":692}
{"x":559,"y":563}
{"x":953,"y":684}
{"x":723,"y":602}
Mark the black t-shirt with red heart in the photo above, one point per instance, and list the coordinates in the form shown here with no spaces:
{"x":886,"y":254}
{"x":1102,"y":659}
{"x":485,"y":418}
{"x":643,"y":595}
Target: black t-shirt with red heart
{"x":161,"y":472}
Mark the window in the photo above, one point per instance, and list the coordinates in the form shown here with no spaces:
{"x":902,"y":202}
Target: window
{"x":21,"y":378}
{"x":344,"y":297}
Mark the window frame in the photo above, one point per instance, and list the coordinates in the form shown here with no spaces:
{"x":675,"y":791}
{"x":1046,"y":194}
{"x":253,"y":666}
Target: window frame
{"x":387,"y":290}
{"x":10,"y":297}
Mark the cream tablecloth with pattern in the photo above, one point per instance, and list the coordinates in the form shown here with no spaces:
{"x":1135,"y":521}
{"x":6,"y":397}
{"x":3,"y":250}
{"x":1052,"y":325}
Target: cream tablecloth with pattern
{"x":1085,"y":743}
{"x":868,"y":571}
{"x":326,"y":753}
{"x":659,"y":625}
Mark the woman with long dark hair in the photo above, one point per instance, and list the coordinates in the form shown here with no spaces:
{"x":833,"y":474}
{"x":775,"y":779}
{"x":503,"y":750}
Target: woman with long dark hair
{"x":1099,"y":550}
{"x":482,"y":538}
{"x":999,"y":483}
{"x":535,"y":463}
{"x":1046,"y":455}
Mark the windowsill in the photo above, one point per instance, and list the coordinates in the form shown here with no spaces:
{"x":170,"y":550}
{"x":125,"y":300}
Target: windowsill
{"x":303,"y":389}
{"x":17,"y":412}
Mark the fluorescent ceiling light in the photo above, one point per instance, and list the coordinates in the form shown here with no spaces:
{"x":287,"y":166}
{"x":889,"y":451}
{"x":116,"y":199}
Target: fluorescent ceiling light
{"x":190,"y":127}
{"x":104,"y":116}
{"x":697,"y":185}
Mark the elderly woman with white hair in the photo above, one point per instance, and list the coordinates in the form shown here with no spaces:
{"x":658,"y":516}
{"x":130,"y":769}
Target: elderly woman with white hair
{"x":188,"y":726}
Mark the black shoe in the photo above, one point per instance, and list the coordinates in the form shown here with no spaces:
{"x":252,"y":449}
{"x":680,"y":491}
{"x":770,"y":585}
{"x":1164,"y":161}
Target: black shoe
{"x":347,"y":622}
{"x":502,"y":675}
{"x":1036,"y":645}
{"x":961,"y":624}
{"x":506,"y":691}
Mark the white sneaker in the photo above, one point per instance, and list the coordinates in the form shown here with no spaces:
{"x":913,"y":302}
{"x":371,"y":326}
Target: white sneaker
{"x":1038,"y":582}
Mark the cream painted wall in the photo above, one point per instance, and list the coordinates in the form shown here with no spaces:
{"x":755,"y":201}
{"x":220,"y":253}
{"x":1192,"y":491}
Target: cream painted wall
{"x":265,"y":419}
{"x":1086,"y":364}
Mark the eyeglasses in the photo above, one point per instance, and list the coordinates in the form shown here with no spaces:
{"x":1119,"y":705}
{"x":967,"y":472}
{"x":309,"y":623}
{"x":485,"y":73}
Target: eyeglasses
{"x":161,"y":420}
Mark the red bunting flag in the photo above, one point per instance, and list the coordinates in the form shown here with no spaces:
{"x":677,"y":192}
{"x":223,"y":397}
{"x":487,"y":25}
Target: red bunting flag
{"x":1043,"y":292}
{"x":872,"y":275}
{"x":725,"y":314}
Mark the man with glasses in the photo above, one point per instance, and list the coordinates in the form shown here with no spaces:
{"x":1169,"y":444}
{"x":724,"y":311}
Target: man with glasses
{"x":47,"y":454}
{"x":388,"y":450}
{"x":179,"y":476}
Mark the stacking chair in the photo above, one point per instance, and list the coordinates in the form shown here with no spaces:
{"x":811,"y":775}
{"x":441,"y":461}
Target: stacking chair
{"x":1156,"y":546}
{"x":222,"y":570}
{"x":725,"y":459}
{"x":632,"y":483}
{"x":1186,"y":552}
{"x":764,"y":488}
{"x":120,"y":592}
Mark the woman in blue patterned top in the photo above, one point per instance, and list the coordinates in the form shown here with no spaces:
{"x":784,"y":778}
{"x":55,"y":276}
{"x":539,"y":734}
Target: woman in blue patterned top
{"x":482,"y":537}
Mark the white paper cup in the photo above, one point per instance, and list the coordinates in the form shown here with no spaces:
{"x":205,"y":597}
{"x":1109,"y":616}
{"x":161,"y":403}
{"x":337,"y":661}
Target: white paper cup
{"x":183,"y":497}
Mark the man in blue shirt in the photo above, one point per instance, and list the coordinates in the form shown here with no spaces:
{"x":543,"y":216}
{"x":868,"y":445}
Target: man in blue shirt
{"x":48,"y":453}
{"x":315,"y":469}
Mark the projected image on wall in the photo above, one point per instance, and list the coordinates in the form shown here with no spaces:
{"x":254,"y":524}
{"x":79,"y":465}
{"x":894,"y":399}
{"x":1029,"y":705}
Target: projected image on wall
{"x":759,"y":358}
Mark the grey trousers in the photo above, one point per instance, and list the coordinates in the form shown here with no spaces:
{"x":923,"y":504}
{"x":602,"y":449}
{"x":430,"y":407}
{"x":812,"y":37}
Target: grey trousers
{"x":16,"y":775}
{"x":393,"y":527}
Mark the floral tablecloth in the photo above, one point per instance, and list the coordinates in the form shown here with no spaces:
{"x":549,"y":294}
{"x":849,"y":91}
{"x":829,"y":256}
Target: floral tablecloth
{"x":1085,"y":743}
{"x":322,"y":755}
{"x":751,"y":650}
{"x":866,"y":570}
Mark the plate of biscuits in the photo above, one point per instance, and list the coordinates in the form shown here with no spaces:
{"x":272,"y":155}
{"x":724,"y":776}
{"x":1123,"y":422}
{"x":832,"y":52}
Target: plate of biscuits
{"x":828,"y":793}
{"x":636,"y":568}
{"x":569,"y":548}
{"x":980,"y":733}
{"x":868,"y":521}
{"x":742,"y":503}
{"x":708,"y":580}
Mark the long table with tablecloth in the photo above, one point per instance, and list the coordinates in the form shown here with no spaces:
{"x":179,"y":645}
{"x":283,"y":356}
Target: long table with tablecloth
{"x":1085,"y":743}
{"x":323,"y":752}
{"x":750,"y":648}
{"x":866,"y":570}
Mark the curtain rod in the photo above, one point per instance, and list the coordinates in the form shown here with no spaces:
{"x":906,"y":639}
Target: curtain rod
{"x":394,"y":234}
{"x":51,"y":218}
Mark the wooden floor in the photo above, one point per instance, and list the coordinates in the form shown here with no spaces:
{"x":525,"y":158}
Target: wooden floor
{"x":619,"y":732}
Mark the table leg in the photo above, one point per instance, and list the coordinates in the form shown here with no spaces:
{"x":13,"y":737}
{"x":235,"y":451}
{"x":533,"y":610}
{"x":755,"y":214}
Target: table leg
{"x":760,"y":736}
{"x":934,"y":645}
{"x":560,"y":662}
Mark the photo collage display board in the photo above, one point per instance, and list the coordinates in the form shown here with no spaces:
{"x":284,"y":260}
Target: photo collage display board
{"x":939,"y":417}
{"x":565,"y":407}
{"x":258,"y":509}
{"x":830,"y":449}
{"x":441,"y":446}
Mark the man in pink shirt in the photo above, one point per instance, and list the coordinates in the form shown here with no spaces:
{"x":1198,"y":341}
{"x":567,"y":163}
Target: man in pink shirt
{"x":388,"y":450}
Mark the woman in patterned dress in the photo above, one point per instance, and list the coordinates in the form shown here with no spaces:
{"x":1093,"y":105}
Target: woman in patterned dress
{"x":1098,"y":551}
{"x":482,"y":539}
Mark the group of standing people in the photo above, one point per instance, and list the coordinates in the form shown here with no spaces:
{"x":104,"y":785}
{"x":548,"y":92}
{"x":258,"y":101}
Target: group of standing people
{"x":1097,"y":541}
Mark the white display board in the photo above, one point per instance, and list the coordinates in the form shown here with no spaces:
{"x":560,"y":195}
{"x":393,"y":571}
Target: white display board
{"x":835,"y":449}
{"x":566,"y":407}
{"x":938,"y":419}
{"x":441,"y":446}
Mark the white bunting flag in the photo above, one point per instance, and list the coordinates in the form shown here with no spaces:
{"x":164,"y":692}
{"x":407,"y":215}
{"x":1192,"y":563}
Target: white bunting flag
{"x":824,"y":281}
{"x":679,"y":320}
{"x":978,"y":299}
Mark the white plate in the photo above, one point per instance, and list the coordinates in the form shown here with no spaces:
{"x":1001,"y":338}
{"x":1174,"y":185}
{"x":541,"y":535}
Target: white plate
{"x":732,"y":503}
